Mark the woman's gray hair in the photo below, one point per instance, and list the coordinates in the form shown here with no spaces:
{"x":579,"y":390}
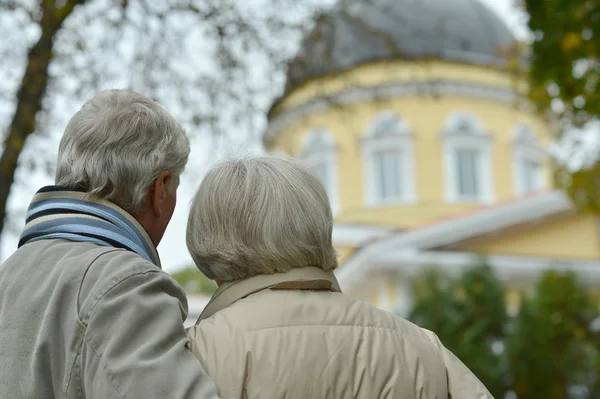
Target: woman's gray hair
{"x":117,"y":145}
{"x":260,"y":215}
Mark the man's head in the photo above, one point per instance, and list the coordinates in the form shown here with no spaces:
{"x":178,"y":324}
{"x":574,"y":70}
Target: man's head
{"x":126,"y":148}
{"x":260,"y":215}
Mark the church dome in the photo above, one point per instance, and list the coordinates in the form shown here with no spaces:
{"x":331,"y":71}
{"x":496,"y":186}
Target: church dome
{"x":361,"y":31}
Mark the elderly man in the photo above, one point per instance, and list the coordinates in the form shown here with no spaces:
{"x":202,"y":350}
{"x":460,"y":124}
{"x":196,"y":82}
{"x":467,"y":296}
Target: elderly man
{"x":85,"y":309}
{"x":279,"y":326}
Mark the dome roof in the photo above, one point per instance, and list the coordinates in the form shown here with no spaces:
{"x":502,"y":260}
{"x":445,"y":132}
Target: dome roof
{"x":360,"y":31}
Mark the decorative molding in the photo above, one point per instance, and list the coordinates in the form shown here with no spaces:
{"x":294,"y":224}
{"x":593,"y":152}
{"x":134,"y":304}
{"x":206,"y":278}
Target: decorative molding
{"x":319,"y":147}
{"x":463,"y":122}
{"x":387,"y":123}
{"x":388,"y":132}
{"x":525,"y":140}
{"x":451,"y":231}
{"x":527,"y":149}
{"x":464,"y":130}
{"x":387,"y":91}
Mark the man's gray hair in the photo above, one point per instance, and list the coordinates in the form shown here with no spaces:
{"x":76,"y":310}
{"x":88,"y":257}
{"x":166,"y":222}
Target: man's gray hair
{"x":260,"y":215}
{"x":117,"y":145}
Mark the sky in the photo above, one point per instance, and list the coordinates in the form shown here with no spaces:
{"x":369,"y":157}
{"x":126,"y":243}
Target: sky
{"x":172,"y":248}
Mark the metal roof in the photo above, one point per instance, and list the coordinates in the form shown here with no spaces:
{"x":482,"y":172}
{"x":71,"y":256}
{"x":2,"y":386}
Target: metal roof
{"x":361,"y":31}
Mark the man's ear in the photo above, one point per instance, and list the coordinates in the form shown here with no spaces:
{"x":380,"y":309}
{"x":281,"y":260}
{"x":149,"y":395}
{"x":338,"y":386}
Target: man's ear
{"x":158,"y":192}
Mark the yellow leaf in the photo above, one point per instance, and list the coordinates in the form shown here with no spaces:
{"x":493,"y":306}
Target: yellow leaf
{"x":570,"y":41}
{"x":460,"y":293}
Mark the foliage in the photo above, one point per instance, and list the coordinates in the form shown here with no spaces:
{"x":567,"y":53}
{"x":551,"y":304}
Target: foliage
{"x":194,"y":282}
{"x":468,"y":315}
{"x":565,"y":68}
{"x":551,"y":349}
{"x":583,"y":185}
{"x":551,"y":340}
{"x":199,"y":57}
{"x":565,"y":75}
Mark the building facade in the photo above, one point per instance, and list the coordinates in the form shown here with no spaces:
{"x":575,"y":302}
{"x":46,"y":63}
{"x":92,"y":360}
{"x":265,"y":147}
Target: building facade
{"x":412,"y":117}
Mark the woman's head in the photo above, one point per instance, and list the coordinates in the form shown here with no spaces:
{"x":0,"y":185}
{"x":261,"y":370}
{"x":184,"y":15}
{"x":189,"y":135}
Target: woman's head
{"x":260,"y":215}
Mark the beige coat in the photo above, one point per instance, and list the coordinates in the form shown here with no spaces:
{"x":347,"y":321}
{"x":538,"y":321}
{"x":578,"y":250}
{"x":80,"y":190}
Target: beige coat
{"x":295,"y":335}
{"x":82,"y":321}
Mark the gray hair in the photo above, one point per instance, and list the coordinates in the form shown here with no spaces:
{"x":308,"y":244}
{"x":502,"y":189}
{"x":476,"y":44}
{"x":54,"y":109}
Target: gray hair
{"x":260,"y":215}
{"x":118,"y":144}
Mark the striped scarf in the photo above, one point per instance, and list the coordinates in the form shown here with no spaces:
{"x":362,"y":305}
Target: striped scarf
{"x":59,"y":213}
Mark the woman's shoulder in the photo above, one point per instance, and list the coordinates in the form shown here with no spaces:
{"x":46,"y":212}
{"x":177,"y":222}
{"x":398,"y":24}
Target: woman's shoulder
{"x":316,"y":329}
{"x":271,"y":309}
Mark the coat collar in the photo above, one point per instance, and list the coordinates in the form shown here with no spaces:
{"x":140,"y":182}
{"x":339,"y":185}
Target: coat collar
{"x":76,"y":215}
{"x":305,"y":278}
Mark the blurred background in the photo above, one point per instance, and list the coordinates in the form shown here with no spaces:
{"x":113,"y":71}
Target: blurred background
{"x":458,"y":140}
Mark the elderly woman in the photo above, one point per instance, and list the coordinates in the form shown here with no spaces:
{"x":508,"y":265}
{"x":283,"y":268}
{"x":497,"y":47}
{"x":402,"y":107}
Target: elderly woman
{"x":279,"y":325}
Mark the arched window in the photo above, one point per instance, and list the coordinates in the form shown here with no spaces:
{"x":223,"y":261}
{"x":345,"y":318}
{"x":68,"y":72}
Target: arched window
{"x":467,"y":154}
{"x":528,"y":161}
{"x":319,"y":153}
{"x":388,"y":152}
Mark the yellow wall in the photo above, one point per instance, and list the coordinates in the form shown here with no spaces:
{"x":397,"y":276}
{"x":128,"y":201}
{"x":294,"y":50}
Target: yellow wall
{"x":344,"y":253}
{"x":513,"y":297}
{"x":425,"y":116}
{"x":378,"y":73}
{"x":387,"y":294}
{"x":573,"y":237}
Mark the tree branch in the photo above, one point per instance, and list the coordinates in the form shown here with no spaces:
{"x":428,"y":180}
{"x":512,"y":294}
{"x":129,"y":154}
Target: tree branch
{"x":29,"y":96}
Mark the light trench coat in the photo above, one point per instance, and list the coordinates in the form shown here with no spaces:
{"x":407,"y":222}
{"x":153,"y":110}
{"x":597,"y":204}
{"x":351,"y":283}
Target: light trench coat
{"x":79,"y":320}
{"x":295,"y":335}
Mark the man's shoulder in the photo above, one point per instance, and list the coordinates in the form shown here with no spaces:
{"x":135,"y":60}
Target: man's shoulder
{"x":118,"y":264}
{"x":106,"y":268}
{"x":58,"y":251}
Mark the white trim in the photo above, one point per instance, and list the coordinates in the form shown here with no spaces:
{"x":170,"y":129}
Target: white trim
{"x":527,"y":149}
{"x":471,"y":138}
{"x":515,"y":269}
{"x":463,"y":121}
{"x":319,"y":148}
{"x":455,"y":230}
{"x":347,"y":235}
{"x":388,"y":90}
{"x":397,"y":139}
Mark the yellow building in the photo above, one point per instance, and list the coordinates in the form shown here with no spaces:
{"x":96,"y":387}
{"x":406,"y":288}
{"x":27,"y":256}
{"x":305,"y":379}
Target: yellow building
{"x":427,"y":147}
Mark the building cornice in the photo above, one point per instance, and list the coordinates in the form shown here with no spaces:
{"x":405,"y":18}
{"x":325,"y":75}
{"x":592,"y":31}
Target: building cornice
{"x":519,"y":270}
{"x":347,"y":235}
{"x":434,"y":88}
{"x":448,"y":232}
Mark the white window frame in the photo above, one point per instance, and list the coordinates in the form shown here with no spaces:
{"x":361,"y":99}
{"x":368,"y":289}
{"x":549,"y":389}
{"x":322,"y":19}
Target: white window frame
{"x":313,"y":153}
{"x":474,"y":137}
{"x":398,"y":138}
{"x":527,"y":149}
